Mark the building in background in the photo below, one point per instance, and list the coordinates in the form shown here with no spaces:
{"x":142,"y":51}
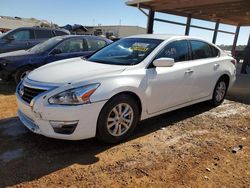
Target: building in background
{"x":117,"y":31}
{"x":114,"y":31}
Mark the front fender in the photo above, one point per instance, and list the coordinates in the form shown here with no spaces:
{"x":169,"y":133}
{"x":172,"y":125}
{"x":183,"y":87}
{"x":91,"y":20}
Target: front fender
{"x":111,"y":87}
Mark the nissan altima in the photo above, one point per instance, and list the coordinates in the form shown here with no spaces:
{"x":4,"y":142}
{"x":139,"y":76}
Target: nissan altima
{"x":133,"y":79}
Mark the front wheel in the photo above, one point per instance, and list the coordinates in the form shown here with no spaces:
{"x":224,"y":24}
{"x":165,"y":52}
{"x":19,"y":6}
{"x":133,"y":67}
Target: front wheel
{"x":117,"y":119}
{"x":220,"y":91}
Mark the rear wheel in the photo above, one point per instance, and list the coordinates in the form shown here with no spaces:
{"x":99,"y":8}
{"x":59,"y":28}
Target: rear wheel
{"x":21,"y":73}
{"x":220,"y":91}
{"x":117,"y":119}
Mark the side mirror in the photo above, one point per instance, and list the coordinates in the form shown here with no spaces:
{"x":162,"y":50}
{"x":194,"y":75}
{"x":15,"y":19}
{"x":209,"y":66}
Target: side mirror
{"x":10,"y":38}
{"x":163,"y":62}
{"x":56,"y":51}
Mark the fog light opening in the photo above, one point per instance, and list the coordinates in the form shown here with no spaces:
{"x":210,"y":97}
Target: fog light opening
{"x":64,"y":127}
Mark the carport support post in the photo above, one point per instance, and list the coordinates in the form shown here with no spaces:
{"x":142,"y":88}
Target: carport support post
{"x":246,"y":58}
{"x":151,"y":17}
{"x":235,"y":39}
{"x":188,"y":25}
{"x":216,"y":31}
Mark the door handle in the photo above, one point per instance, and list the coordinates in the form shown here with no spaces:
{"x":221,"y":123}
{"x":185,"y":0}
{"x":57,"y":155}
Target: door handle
{"x":189,"y":71}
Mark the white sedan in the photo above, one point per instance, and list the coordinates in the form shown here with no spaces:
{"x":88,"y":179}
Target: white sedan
{"x":130,"y":80}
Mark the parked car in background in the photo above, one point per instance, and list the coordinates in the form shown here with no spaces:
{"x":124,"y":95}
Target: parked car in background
{"x":18,"y":64}
{"x":26,"y":37}
{"x":239,"y":55}
{"x":133,"y":79}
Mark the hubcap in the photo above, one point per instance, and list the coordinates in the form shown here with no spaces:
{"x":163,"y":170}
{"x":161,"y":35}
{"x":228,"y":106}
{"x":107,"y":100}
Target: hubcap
{"x":120,"y":119}
{"x":220,"y":91}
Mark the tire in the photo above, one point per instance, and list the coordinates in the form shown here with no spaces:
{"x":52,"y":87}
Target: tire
{"x":112,"y":129}
{"x":220,"y":91}
{"x":21,"y":73}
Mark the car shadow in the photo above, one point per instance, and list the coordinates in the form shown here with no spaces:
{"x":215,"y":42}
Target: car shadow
{"x":241,"y":97}
{"x":25,"y":156}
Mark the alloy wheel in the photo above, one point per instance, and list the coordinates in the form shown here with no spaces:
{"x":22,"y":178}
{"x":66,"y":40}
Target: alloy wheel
{"x":220,"y":91}
{"x":120,"y":119}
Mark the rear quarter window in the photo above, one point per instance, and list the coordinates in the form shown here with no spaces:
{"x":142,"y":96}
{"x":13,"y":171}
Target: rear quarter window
{"x":43,"y":34}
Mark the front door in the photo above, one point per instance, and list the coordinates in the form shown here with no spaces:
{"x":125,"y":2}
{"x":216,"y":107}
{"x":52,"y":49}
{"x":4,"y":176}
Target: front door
{"x":170,"y":86}
{"x":21,"y":40}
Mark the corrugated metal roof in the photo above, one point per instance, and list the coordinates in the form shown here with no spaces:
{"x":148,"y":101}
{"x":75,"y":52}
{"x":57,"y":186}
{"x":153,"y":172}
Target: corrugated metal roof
{"x":235,"y":12}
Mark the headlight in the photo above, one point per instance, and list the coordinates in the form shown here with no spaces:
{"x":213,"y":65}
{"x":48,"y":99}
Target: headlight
{"x":80,"y":95}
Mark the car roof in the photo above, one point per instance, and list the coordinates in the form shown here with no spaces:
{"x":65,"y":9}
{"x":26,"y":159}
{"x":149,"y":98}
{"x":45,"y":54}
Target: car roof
{"x":163,"y":36}
{"x":169,"y":37}
{"x":44,"y":28}
{"x":82,"y":36}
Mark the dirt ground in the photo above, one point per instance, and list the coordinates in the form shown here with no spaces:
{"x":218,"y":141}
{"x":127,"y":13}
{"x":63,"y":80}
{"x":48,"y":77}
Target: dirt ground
{"x":190,"y":147}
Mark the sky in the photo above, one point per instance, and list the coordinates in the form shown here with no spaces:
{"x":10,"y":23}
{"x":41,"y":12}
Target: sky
{"x":110,"y":12}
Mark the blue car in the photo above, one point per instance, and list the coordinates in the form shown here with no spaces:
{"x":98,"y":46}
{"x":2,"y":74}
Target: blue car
{"x":18,"y":64}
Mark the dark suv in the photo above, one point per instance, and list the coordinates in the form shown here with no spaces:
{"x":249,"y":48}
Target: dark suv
{"x":26,"y":37}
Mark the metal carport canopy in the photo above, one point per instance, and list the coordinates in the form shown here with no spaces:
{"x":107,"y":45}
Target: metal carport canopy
{"x":233,"y":12}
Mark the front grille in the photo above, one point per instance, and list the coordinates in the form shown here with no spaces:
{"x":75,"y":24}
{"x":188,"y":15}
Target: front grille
{"x":29,"y":93}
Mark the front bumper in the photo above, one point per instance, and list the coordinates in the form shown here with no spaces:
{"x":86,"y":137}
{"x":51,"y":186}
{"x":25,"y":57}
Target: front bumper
{"x":37,"y":119}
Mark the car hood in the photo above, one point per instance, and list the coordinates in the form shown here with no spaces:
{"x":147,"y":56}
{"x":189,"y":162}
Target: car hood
{"x":72,"y":71}
{"x":15,"y":53}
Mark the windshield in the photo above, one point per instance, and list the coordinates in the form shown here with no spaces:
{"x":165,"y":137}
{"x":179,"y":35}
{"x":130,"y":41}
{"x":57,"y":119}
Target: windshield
{"x":128,"y":51}
{"x":44,"y":46}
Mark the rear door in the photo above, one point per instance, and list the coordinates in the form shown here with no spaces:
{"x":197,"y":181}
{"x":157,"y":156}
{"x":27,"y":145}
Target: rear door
{"x":69,"y":48}
{"x":42,"y":35}
{"x":206,"y":63}
{"x":170,"y":86}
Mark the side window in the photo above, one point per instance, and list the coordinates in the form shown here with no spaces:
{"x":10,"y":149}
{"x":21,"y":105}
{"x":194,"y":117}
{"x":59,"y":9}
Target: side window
{"x":60,"y":33}
{"x":177,"y":50}
{"x":72,"y":45}
{"x":215,"y":51}
{"x":23,"y":35}
{"x":96,"y":44}
{"x":43,"y":34}
{"x":200,"y":50}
